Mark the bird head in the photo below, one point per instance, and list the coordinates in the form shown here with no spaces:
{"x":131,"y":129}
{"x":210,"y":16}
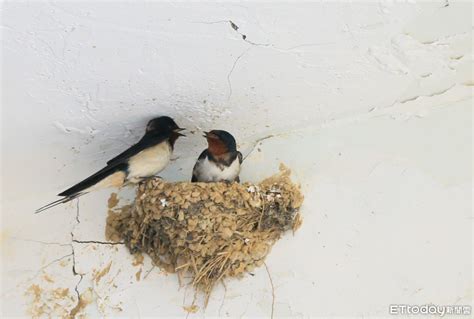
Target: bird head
{"x":164,"y":126}
{"x":220,"y":142}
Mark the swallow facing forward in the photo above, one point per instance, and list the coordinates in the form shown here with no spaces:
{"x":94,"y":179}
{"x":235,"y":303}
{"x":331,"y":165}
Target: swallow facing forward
{"x":220,"y":161}
{"x":144,"y":159}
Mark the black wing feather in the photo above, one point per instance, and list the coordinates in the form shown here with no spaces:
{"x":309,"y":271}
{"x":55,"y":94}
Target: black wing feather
{"x":94,"y":178}
{"x":239,"y":155}
{"x":241,"y":159}
{"x":203,"y":155}
{"x":118,"y":163}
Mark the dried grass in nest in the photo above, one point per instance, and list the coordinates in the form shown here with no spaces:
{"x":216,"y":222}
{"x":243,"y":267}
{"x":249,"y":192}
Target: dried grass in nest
{"x":210,"y":230}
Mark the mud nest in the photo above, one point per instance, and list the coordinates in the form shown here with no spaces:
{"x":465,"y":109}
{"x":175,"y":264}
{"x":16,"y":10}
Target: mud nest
{"x":208,"y":230}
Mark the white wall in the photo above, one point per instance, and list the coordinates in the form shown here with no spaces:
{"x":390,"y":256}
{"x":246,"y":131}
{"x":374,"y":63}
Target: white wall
{"x":369,"y":103}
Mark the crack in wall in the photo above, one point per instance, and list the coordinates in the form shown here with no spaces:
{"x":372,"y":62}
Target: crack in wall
{"x":75,"y":273}
{"x":223,"y":298}
{"x":232,"y":70}
{"x":403,"y":101}
{"x":364,"y":115}
{"x":49,"y":264}
{"x":40,"y":242}
{"x":256,"y":143}
{"x":77,"y":216}
{"x":244,"y":36}
{"x":97,"y":242}
{"x":73,"y":253}
{"x":236,"y":28}
{"x":436,"y":93}
{"x":273,"y":289}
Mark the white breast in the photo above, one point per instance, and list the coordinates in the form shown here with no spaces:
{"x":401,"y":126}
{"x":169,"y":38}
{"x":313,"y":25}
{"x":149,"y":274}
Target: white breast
{"x":208,"y":171}
{"x":149,"y":162}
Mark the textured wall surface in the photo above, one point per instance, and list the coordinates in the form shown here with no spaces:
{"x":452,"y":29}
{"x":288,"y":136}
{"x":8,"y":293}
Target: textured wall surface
{"x":369,"y":103}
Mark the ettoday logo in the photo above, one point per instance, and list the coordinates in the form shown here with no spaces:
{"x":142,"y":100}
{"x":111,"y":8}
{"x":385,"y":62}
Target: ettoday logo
{"x":399,"y":309}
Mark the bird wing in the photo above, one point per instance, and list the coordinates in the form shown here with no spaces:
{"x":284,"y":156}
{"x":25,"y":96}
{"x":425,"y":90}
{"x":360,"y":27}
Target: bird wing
{"x":81,"y":188}
{"x":200,"y":158}
{"x":144,"y":143}
{"x":118,"y":163}
{"x":94,"y":179}
{"x":241,"y":159}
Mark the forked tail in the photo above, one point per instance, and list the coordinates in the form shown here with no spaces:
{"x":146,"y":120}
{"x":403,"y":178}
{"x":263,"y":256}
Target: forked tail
{"x":59,"y":201}
{"x":83,"y":187}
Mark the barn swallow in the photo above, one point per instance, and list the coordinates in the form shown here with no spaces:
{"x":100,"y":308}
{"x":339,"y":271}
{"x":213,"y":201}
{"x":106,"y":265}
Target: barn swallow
{"x":146,"y":158}
{"x":220,"y":161}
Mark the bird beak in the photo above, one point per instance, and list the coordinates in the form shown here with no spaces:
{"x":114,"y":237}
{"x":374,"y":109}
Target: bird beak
{"x":179,"y":130}
{"x":209,"y":135}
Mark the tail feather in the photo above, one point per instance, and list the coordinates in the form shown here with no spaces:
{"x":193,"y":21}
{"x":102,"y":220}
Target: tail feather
{"x":57,"y":202}
{"x":82,"y":187}
{"x":93,"y":179}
